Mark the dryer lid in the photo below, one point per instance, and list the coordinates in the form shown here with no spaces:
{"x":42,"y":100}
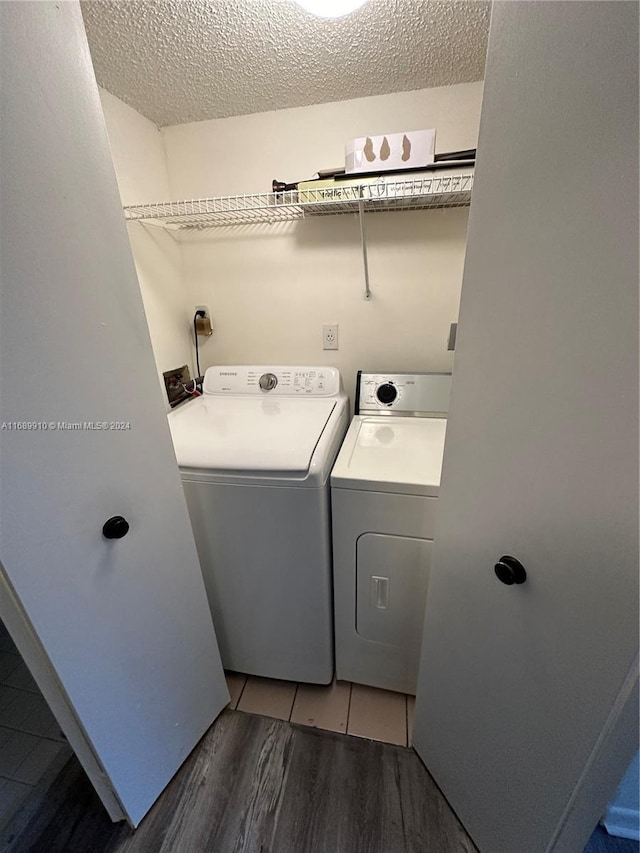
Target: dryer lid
{"x":400,"y":455}
{"x":249,"y":434}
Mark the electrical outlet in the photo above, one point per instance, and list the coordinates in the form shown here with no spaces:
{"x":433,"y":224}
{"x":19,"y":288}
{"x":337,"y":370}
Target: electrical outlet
{"x":204,"y":308}
{"x":330,"y":336}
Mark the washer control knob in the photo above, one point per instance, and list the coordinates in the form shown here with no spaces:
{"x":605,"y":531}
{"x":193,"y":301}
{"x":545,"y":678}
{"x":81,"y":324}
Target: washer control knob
{"x":268,"y":381}
{"x":387,"y":393}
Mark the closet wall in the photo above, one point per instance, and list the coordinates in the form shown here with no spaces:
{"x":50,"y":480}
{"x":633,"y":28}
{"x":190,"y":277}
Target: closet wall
{"x":141,"y":170}
{"x":270,"y":288}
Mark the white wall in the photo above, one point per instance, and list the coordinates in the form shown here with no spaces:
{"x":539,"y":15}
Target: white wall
{"x":271,"y":288}
{"x":242,"y":154}
{"x":141,"y":169}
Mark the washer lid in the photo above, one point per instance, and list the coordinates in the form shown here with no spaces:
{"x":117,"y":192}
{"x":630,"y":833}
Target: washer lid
{"x":401,"y":455}
{"x":249,"y":434}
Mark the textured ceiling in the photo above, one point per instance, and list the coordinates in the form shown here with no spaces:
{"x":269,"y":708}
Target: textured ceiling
{"x":177,"y":61}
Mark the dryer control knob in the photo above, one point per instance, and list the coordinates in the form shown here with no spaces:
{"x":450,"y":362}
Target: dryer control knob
{"x":387,"y":393}
{"x":268,"y":381}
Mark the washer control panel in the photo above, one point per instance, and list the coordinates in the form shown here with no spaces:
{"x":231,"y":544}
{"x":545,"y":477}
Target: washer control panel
{"x":272,"y":381}
{"x":419,"y":394}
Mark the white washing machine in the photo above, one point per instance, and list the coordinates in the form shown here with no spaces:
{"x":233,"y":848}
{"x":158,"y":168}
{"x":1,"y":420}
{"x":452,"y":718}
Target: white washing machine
{"x":384,"y":495}
{"x":255,"y":452}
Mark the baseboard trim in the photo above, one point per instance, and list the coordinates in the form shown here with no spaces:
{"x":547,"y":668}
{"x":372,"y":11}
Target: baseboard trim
{"x":625,"y":823}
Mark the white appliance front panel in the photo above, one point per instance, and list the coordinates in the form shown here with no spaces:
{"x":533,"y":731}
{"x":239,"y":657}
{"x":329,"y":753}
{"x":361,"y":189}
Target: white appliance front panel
{"x":285,"y":381}
{"x":392,"y":575}
{"x":249,"y":433}
{"x":266,"y":560}
{"x":392,"y":454}
{"x":371,"y":531}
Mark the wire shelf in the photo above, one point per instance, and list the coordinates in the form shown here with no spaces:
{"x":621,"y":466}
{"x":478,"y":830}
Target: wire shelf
{"x":380,"y":194}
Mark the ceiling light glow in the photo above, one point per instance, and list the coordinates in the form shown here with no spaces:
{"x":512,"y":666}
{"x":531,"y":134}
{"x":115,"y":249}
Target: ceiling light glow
{"x":331,"y":8}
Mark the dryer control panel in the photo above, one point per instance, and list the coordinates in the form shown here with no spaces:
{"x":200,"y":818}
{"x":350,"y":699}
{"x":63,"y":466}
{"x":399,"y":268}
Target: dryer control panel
{"x":417,"y":394}
{"x":272,"y":381}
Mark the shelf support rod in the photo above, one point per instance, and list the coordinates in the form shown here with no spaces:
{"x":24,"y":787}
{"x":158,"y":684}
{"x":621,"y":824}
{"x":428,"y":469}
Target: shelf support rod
{"x":365,"y":260}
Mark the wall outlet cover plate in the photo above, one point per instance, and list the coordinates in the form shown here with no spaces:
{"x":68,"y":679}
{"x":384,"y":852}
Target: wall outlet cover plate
{"x":330,"y":336}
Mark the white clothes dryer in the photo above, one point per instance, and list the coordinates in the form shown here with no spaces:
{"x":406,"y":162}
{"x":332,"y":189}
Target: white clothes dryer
{"x":384,"y":490}
{"x":255,"y":452}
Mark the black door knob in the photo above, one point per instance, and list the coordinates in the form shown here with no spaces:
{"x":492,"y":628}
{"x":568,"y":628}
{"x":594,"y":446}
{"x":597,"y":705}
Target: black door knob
{"x":115,"y":527}
{"x":510,"y":571}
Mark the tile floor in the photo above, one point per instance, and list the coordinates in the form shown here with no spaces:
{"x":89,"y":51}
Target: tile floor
{"x":30,"y":738}
{"x":339,"y":707}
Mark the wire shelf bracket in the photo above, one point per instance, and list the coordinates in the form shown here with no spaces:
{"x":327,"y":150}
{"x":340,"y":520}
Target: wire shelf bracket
{"x":365,"y":259}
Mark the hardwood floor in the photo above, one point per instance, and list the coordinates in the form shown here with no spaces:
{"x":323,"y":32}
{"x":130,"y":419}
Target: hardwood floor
{"x":256,"y":785}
